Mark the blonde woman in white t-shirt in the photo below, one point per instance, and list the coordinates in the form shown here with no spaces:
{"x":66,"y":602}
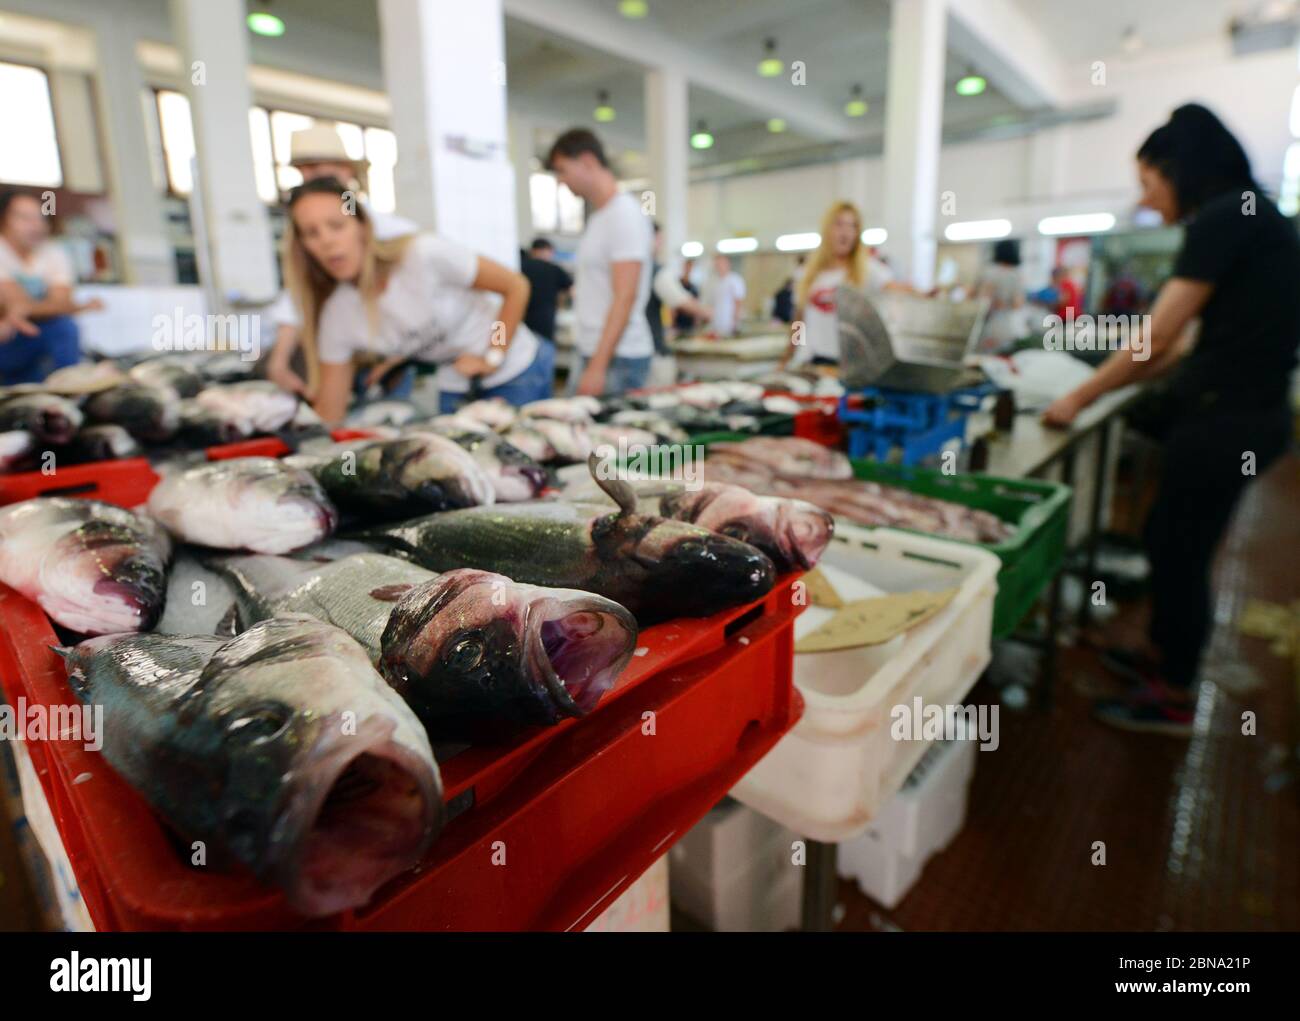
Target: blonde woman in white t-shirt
{"x":841,"y":258}
{"x":416,"y":298}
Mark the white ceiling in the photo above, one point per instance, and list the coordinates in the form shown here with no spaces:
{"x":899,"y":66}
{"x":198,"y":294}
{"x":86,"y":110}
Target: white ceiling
{"x":1095,"y":28}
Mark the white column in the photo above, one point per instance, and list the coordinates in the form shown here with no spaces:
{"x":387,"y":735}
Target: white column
{"x":213,"y":43}
{"x":913,"y":131}
{"x":1046,"y":181}
{"x":667,"y":130}
{"x":522,"y":141}
{"x":444,"y":67}
{"x":148,"y":256}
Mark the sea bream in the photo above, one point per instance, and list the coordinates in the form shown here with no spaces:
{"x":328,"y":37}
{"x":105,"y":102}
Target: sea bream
{"x":149,"y":413}
{"x":93,"y":567}
{"x":794,"y":533}
{"x":656,"y":567}
{"x":252,"y":503}
{"x":476,"y":655}
{"x":390,"y":479}
{"x":48,"y":418}
{"x":282,"y":749}
{"x":259,"y":405}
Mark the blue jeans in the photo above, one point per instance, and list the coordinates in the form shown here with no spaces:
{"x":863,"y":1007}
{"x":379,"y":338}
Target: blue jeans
{"x":535,"y":383}
{"x":402,"y":387}
{"x":623,"y":374}
{"x":25,"y":359}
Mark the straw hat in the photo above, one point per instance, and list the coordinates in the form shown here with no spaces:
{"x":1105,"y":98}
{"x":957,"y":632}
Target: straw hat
{"x":319,"y":143}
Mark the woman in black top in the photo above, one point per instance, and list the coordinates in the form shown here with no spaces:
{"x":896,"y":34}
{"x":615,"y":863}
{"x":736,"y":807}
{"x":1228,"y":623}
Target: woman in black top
{"x":1227,"y":414}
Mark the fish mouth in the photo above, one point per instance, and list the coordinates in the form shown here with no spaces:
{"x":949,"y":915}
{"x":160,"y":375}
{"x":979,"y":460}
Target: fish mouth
{"x":714,"y":572}
{"x":807,"y":533}
{"x":56,"y":427}
{"x":578,"y":649}
{"x":365,"y":809}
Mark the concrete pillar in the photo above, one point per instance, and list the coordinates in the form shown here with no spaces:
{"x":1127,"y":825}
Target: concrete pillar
{"x":213,"y":42}
{"x":522,"y":140}
{"x":444,"y":67}
{"x":667,"y":134}
{"x":913,"y":132}
{"x":147,"y":254}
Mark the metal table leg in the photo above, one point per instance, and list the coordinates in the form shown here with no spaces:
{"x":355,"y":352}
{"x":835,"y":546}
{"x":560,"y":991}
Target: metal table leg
{"x":819,"y":882}
{"x":1094,"y":525}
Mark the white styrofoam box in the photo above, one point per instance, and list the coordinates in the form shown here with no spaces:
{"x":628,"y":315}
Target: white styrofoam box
{"x":724,"y":843}
{"x":764,"y":896}
{"x":642,"y":907}
{"x":829,"y":775}
{"x":888,"y":857}
{"x":126,"y":322}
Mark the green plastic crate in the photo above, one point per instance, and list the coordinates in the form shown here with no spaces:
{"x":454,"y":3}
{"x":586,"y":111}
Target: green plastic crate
{"x":1040,"y":512}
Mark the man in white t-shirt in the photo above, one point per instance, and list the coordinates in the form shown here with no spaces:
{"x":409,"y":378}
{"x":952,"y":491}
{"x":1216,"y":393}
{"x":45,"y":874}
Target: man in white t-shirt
{"x":726,"y":293}
{"x":37,"y":331}
{"x":317,"y":152}
{"x":612,"y":282}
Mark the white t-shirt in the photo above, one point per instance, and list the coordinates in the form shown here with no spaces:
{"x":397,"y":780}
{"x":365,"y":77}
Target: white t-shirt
{"x":48,"y":266}
{"x":821,"y":324}
{"x":617,"y":232}
{"x":283,"y":311}
{"x":723,"y":294}
{"x":429,"y":312}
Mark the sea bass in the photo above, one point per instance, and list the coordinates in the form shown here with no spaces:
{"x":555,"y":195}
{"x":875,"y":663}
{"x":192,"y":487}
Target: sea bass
{"x":513,"y":474}
{"x":258,"y":405}
{"x":179,"y":375}
{"x":393,"y":479}
{"x":49,"y":418}
{"x":794,"y":533}
{"x":149,"y":413}
{"x":281,"y":748}
{"x":93,"y":567}
{"x":15,"y":445}
{"x":476,"y":655}
{"x":253,"y":503}
{"x":656,"y":567}
{"x":103,"y":443}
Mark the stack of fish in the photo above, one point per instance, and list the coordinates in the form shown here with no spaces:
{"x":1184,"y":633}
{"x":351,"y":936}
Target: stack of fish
{"x":793,"y":467}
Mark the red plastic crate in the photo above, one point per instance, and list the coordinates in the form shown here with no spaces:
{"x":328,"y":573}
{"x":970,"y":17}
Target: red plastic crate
{"x":271,"y":446}
{"x":820,"y":422}
{"x":582,"y":809}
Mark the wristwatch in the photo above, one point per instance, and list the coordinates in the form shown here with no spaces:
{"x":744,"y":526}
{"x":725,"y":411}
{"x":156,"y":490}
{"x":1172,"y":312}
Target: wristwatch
{"x":495,"y":357}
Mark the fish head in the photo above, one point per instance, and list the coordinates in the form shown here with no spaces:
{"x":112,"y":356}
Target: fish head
{"x":692,"y":571}
{"x":103,"y":577}
{"x":440,"y":472}
{"x":793,"y":533}
{"x":330,"y":788}
{"x":283,"y":508}
{"x":477,"y":654}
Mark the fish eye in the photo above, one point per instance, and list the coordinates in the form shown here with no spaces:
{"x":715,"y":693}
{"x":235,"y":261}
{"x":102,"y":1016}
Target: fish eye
{"x":465,"y":653}
{"x":259,"y":723}
{"x":735,"y":530}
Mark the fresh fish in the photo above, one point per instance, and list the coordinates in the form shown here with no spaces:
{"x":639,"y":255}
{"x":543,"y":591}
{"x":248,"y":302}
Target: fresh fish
{"x":204,"y":427}
{"x":513,"y":474}
{"x":781,"y":405}
{"x":796,"y":383}
{"x":493,"y":412}
{"x":50,"y":419}
{"x":524,"y":436}
{"x":382,"y":413}
{"x":667,"y":430}
{"x":793,"y":533}
{"x":257,"y":403}
{"x":620,"y":437}
{"x":787,"y":455}
{"x":563,"y":409}
{"x":15,"y":445}
{"x":570,"y":440}
{"x":253,"y":503}
{"x":448,"y":424}
{"x":226,"y":367}
{"x":93,"y":567}
{"x":397,"y":478}
{"x":656,"y":567}
{"x":475,"y":654}
{"x":281,"y":749}
{"x":103,"y":443}
{"x":181,"y":376}
{"x":149,"y":413}
{"x":83,"y":378}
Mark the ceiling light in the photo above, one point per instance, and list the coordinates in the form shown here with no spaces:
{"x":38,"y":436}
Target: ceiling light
{"x":971,"y":85}
{"x":1081,"y":223}
{"x":692,"y":250}
{"x":977,"y":230}
{"x":733,"y":246}
{"x":776,"y":125}
{"x":874,"y":236}
{"x":701,"y":139}
{"x":604,"y":112}
{"x":261,"y":23}
{"x":856,"y":106}
{"x":798,"y":242}
{"x":633,"y":8}
{"x":770,"y":66}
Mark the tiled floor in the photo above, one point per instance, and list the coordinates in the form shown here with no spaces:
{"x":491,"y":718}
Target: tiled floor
{"x":1199,"y":834}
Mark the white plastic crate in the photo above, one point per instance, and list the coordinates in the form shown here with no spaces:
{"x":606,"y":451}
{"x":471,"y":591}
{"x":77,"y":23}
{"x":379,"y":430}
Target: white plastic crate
{"x":642,"y":907}
{"x":888,"y":857}
{"x":832,"y":772}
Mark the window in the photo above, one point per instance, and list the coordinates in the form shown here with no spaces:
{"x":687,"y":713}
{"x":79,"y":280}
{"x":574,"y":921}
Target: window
{"x":177,"y":139}
{"x":554,"y":207}
{"x":28,"y":114}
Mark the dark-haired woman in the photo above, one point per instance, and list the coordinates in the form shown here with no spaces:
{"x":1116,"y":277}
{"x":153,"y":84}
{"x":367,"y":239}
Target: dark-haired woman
{"x":1228,"y":416}
{"x":417,"y":298}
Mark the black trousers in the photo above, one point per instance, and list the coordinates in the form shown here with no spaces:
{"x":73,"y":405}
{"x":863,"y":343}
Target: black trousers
{"x":1206,"y":469}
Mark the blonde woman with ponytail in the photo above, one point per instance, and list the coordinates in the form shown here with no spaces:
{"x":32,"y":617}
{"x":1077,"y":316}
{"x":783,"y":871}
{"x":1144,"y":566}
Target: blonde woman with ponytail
{"x":418,"y":298}
{"x":841,"y":258}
